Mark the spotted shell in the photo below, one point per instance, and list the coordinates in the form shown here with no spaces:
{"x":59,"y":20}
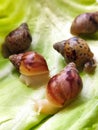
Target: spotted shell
{"x":75,"y":50}
{"x":18,"y":40}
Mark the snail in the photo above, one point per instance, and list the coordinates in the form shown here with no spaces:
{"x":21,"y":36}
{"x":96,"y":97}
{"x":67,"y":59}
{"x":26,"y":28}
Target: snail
{"x":61,"y":90}
{"x":18,"y":40}
{"x":32,"y":66}
{"x":85,"y":24}
{"x":77,"y":50}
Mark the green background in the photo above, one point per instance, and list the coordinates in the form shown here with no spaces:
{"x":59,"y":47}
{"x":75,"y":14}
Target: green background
{"x":49,"y":22}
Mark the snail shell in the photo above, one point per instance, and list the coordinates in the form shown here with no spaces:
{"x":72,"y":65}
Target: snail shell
{"x":85,"y":24}
{"x":76,"y":50}
{"x":18,"y":40}
{"x":31,"y":65}
{"x":62,"y":88}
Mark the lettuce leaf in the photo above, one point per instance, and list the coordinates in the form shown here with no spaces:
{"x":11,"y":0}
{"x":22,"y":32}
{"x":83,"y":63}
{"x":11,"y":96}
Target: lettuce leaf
{"x":49,"y":22}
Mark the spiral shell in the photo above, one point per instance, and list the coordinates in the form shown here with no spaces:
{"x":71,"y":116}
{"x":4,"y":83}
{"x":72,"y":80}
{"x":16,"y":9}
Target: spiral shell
{"x":29,"y":63}
{"x":85,"y":24}
{"x":76,"y":50}
{"x":18,"y":40}
{"x":61,"y":89}
{"x":64,"y":86}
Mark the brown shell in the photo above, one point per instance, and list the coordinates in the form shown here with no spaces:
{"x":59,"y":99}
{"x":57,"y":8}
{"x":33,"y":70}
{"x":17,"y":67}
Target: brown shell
{"x":75,"y":50}
{"x":78,"y":51}
{"x":65,"y":86}
{"x":85,"y":24}
{"x":30,"y":63}
{"x":18,"y":40}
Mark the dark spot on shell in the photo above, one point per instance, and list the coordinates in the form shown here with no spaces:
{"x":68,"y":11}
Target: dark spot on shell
{"x":80,"y":54}
{"x":74,"y":54}
{"x":85,"y":48}
{"x":80,"y":46}
{"x":91,"y":19}
{"x":70,"y":78}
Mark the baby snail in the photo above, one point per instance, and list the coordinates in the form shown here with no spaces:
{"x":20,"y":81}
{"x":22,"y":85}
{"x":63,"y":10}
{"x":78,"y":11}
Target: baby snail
{"x":85,"y":24}
{"x":61,"y":90}
{"x":77,"y":50}
{"x":32,"y":66}
{"x":18,"y":40}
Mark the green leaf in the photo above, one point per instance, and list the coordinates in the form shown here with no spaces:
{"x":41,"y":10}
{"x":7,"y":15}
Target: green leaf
{"x":49,"y":22}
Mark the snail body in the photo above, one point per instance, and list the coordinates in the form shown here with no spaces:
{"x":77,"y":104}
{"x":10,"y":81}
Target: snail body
{"x":62,"y":88}
{"x":18,"y":40}
{"x":31,"y":65}
{"x":85,"y":24}
{"x":77,"y":50}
